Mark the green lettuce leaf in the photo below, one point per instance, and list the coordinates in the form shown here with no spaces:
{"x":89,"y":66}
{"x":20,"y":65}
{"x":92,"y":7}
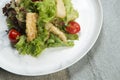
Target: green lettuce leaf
{"x":28,"y":5}
{"x":72,"y":14}
{"x":46,"y":10}
{"x":33,"y":48}
{"x":55,"y":41}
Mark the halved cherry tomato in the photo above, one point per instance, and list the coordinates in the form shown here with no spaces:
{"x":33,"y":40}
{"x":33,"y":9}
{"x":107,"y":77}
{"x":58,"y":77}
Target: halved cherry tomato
{"x":13,"y":35}
{"x":73,"y":27}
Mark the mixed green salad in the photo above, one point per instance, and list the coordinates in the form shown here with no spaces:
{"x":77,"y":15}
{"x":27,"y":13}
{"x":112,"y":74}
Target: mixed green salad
{"x":34,"y":25}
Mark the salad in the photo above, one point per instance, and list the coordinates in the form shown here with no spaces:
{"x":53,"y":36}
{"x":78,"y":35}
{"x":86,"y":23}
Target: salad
{"x":34,"y":25}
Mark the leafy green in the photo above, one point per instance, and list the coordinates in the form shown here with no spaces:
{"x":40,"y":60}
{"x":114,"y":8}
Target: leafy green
{"x":36,"y":46}
{"x":72,"y":14}
{"x":33,"y":48}
{"x":9,"y":23}
{"x":28,"y":5}
{"x":72,"y":36}
{"x":55,"y":41}
{"x":46,"y":10}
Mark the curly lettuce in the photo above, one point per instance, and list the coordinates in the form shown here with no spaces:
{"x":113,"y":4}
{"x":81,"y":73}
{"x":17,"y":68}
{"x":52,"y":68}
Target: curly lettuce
{"x":33,"y":48}
{"x":46,"y":10}
{"x":72,"y":14}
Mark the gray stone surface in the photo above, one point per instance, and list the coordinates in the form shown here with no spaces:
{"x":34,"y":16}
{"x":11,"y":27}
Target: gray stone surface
{"x":103,"y":60}
{"x":62,"y":75}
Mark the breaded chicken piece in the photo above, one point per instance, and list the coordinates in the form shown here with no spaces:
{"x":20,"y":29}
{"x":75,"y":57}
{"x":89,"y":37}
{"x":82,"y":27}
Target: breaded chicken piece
{"x":31,"y":29}
{"x":50,"y":27}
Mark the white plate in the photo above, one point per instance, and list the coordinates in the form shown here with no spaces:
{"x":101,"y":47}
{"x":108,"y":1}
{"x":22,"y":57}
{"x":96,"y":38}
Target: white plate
{"x":53,"y":60}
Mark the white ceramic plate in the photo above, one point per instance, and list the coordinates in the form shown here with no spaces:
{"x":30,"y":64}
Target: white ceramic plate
{"x":56,"y":59}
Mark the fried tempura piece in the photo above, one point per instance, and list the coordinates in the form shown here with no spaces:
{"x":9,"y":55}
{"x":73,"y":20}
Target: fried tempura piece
{"x":50,"y":27}
{"x":31,"y":29}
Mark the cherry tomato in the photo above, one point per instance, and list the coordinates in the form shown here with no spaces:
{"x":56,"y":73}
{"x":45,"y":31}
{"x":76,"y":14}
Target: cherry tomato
{"x":73,"y":27}
{"x":13,"y":35}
